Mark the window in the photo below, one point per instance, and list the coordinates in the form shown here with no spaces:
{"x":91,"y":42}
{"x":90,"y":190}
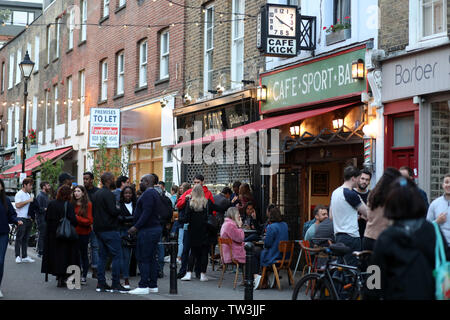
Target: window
{"x":19,"y":60}
{"x":143,"y":64}
{"x":57,"y":34}
{"x":208,"y":49}
{"x":237,"y":43}
{"x":11,"y":71}
{"x":20,"y":18}
{"x":71,"y":27}
{"x":342,"y":9}
{"x":145,"y":158}
{"x":433,"y":17}
{"x":16,"y":124}
{"x":120,"y":73}
{"x":34,"y":114}
{"x":55,"y":109}
{"x":49,"y":41}
{"x":10,"y":126}
{"x":47,"y":105}
{"x":69,"y":100}
{"x":122,"y":3}
{"x":36,"y":53}
{"x":164,"y":56}
{"x":3,"y":76}
{"x":83,"y":20}
{"x":105,"y":8}
{"x":104,"y":84}
{"x":404,"y":131}
{"x":81,"y":92}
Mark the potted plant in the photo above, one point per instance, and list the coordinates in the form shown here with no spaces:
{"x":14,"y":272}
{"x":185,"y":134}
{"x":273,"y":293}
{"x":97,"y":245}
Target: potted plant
{"x":32,"y":136}
{"x":338,"y":32}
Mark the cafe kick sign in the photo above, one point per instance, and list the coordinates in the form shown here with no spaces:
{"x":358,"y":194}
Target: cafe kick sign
{"x":313,"y":81}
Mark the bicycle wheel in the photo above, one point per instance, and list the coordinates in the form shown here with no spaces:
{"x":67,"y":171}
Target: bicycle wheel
{"x":313,"y":287}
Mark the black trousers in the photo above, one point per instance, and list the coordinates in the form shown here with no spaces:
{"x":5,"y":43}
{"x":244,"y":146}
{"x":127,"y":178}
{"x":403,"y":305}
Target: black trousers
{"x":22,"y":236}
{"x":354,"y":243}
{"x":199,"y":255}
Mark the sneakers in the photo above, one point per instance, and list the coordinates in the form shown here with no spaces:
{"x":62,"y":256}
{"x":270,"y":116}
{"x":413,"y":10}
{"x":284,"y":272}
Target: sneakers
{"x":203,"y":277}
{"x":256,"y":282}
{"x":119,"y":288}
{"x":27,"y":259}
{"x":140,"y":291}
{"x":187,"y":277}
{"x":103,"y":288}
{"x":83,"y":281}
{"x":167,"y":259}
{"x":18,"y":260}
{"x":153,"y":290}
{"x":178,"y":261}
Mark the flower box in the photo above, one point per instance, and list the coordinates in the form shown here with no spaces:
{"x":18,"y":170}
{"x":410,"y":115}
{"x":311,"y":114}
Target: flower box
{"x":338,"y":36}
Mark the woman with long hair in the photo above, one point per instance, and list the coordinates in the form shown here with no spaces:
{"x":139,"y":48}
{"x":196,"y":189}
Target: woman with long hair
{"x":83,"y":212}
{"x":127,"y":204}
{"x":245,"y":196}
{"x":197,"y":210}
{"x":7,"y":216}
{"x":59,"y":253}
{"x":376,"y":221}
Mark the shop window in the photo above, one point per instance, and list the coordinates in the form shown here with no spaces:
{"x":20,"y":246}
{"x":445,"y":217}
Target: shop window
{"x":403,"y":132}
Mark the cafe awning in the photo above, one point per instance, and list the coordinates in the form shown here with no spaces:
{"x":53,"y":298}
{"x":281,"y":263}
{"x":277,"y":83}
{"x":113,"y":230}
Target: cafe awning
{"x":265,"y":124}
{"x":33,"y":163}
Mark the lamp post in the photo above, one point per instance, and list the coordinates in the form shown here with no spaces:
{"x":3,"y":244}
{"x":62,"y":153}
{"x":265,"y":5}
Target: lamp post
{"x":26,"y":67}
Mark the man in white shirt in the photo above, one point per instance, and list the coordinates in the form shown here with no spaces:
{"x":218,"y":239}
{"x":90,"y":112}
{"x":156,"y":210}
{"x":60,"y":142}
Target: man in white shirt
{"x":439,"y":210}
{"x":23,"y":199}
{"x":344,"y":208}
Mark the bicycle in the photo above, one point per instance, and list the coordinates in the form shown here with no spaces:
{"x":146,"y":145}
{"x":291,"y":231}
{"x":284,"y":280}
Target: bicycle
{"x":336,"y":281}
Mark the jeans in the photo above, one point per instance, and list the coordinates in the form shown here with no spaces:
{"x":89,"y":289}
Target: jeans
{"x":109,"y":243}
{"x":94,"y":250}
{"x":353,"y":243}
{"x":83,"y":242}
{"x":146,"y":248}
{"x":160,"y":255}
{"x":22,"y":236}
{"x":41,"y":226}
{"x":125,"y":258}
{"x":3,"y":247}
{"x":180,"y":242}
{"x":185,"y":254}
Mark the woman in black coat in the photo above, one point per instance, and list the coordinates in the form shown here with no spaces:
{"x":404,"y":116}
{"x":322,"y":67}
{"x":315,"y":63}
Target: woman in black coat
{"x":59,"y":253}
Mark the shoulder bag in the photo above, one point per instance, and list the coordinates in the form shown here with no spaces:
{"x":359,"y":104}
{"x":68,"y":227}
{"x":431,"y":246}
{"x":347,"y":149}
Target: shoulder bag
{"x":65,"y":230}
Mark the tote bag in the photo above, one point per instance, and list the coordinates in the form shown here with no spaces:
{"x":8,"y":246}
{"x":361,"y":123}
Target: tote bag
{"x":441,"y":272}
{"x":65,"y":230}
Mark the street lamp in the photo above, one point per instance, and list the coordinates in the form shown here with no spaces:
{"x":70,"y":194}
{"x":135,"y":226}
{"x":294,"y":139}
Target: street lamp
{"x":26,"y":67}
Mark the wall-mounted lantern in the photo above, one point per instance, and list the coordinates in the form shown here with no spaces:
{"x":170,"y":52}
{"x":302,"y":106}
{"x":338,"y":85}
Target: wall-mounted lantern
{"x":358,"y":69}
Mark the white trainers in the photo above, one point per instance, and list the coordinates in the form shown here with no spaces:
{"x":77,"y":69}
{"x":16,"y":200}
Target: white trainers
{"x":256,"y":282}
{"x":18,"y":260}
{"x":140,"y":291}
{"x":187,"y":277}
{"x":167,"y":259}
{"x":154,"y":290}
{"x":178,"y":261}
{"x":27,"y":259}
{"x":203,"y":277}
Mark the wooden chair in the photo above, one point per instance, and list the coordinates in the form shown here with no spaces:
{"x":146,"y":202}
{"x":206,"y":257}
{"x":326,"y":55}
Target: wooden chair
{"x":228,"y":242}
{"x":304,"y":244}
{"x":285,"y":247}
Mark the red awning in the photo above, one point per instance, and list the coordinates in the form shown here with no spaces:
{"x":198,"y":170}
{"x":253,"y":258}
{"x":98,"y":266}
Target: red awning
{"x":33,"y":162}
{"x":264,"y":124}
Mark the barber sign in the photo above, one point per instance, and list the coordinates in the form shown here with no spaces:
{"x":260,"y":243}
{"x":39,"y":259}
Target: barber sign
{"x":104,"y":125}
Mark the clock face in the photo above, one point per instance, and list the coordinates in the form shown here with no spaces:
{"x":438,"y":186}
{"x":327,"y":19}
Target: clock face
{"x":282,"y":21}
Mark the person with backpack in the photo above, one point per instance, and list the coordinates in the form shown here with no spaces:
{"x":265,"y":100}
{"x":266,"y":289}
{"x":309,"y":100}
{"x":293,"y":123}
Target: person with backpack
{"x":405,"y":251}
{"x":147,"y":226}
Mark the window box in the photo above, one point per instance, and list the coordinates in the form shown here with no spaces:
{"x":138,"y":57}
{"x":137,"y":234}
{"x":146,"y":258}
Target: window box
{"x":338,"y":36}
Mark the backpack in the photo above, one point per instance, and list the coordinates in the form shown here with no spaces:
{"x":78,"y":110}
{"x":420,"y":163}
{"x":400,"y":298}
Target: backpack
{"x":165,"y":216}
{"x":441,"y":272}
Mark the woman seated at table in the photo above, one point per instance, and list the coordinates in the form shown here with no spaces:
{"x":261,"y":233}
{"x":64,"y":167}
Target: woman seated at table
{"x":250,"y":223}
{"x":232,"y":229}
{"x":277,"y":231}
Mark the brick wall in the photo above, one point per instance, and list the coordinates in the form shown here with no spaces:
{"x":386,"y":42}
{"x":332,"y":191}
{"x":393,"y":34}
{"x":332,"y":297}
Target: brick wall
{"x":394,"y":25}
{"x":440,"y":147}
{"x":194,"y":41}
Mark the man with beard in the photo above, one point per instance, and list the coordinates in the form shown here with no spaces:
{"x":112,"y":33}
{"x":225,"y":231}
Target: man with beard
{"x":362,"y":189}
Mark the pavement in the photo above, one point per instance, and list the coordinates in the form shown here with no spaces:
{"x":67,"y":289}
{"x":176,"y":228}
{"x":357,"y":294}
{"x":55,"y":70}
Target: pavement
{"x":24,"y":281}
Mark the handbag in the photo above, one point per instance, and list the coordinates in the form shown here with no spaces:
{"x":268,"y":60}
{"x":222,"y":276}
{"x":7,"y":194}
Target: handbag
{"x":65,"y":230}
{"x":441,"y":272}
{"x":213,"y":223}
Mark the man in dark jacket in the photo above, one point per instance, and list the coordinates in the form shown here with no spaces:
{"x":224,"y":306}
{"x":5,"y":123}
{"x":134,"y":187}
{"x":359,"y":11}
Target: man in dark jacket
{"x":106,"y":226}
{"x":88,"y":180}
{"x":222,"y":201}
{"x":42,"y":201}
{"x":148,"y":228}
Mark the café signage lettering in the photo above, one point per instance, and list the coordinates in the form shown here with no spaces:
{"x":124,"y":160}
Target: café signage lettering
{"x":312,"y":82}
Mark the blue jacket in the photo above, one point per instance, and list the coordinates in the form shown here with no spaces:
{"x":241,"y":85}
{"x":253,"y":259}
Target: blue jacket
{"x":7,"y":218}
{"x":276,"y":232}
{"x":147,"y":210}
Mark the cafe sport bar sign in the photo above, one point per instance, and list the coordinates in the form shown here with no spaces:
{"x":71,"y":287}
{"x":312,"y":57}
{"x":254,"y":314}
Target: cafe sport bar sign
{"x":313,"y":81}
{"x":105,"y":123}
